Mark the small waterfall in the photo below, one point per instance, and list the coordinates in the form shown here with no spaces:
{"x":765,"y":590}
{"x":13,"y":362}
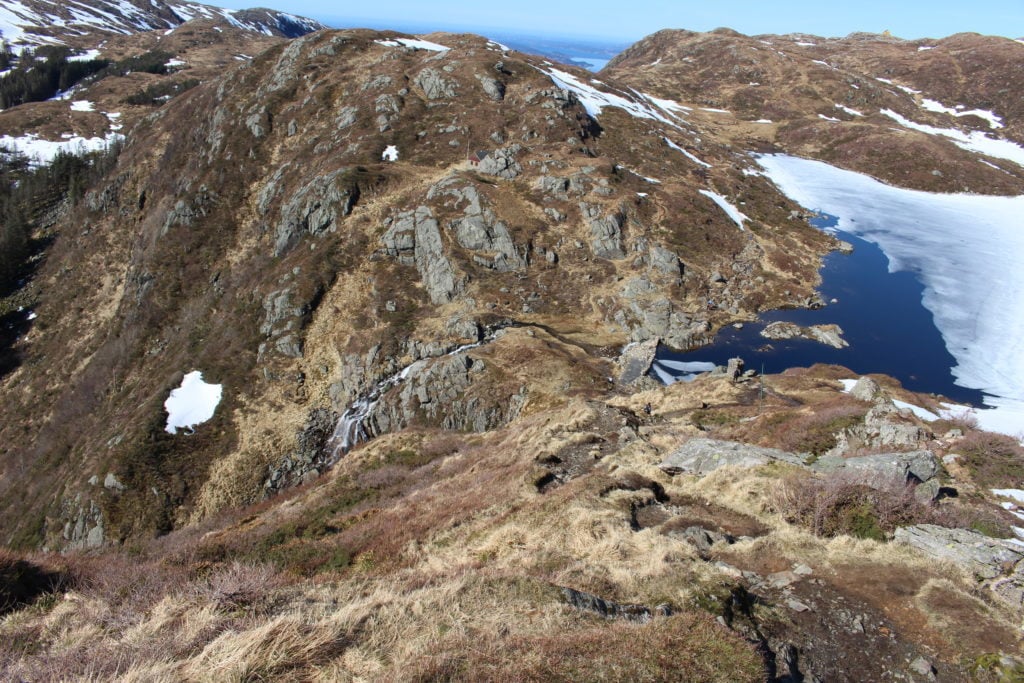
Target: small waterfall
{"x":350,"y":429}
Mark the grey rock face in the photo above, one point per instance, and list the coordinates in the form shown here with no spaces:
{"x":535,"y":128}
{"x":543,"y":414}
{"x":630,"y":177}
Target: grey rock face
{"x":866,"y":389}
{"x":986,"y":558}
{"x":83,"y":527}
{"x":502,"y":163}
{"x":494,"y":88}
{"x":635,"y":361}
{"x":310,"y":457}
{"x":315,"y":208}
{"x":414,"y":238}
{"x":479,"y":230}
{"x":605,"y":232}
{"x":702,"y":456}
{"x":665,"y":261}
{"x":916,"y":466}
{"x":436,"y":391}
{"x":434,"y":85}
{"x":553,"y":186}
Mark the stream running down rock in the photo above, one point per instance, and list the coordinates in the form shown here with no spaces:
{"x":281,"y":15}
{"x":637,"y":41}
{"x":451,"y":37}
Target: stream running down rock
{"x":350,"y":429}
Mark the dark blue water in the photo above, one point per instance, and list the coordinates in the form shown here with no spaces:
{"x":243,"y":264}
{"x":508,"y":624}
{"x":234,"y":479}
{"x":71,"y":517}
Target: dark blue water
{"x":883,"y":320}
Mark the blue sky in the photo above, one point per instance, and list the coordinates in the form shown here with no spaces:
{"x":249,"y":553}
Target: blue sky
{"x":631,"y":19}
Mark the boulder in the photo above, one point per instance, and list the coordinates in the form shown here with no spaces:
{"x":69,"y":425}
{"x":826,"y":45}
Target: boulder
{"x":502,"y":163}
{"x":434,"y":85}
{"x":984,"y":557}
{"x":702,"y":456}
{"x":830,"y":335}
{"x":866,"y":389}
{"x":916,"y":466}
{"x":636,"y":359}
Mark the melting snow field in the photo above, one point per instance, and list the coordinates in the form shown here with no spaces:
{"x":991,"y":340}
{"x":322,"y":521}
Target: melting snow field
{"x":191,"y":404}
{"x":44,"y":151}
{"x":967,"y":251}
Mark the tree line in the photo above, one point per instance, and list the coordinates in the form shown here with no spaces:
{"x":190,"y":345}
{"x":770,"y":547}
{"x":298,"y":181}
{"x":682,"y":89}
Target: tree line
{"x":27,"y":192}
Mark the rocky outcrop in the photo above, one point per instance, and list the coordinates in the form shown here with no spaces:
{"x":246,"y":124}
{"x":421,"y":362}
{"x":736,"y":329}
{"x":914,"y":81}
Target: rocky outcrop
{"x":502,"y":163}
{"x":492,"y":87}
{"x":605,"y":232}
{"x":883,"y":428}
{"x":83,"y":524}
{"x":434,"y":85}
{"x":648,"y":314}
{"x":588,"y":602}
{"x":635,"y":361}
{"x":315,"y":208}
{"x":912,"y":467}
{"x":986,"y":558}
{"x":310,"y":457}
{"x":438,"y":392}
{"x":830,"y":335}
{"x":478,"y":229}
{"x":702,"y":456}
{"x":414,"y":238}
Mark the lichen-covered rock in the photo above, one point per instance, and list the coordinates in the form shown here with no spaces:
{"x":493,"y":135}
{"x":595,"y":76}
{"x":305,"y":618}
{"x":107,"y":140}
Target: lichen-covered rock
{"x":916,"y":466}
{"x":830,"y":335}
{"x":502,"y":163}
{"x":434,"y":85}
{"x":414,"y":238}
{"x":636,"y":359}
{"x":315,"y":208}
{"x":479,"y":229}
{"x":701,"y":456}
{"x":986,"y":558}
{"x":494,"y":88}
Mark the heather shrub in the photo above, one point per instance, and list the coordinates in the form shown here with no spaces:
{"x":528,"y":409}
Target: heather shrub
{"x":815,"y":432}
{"x":848,"y":503}
{"x":994,"y":460}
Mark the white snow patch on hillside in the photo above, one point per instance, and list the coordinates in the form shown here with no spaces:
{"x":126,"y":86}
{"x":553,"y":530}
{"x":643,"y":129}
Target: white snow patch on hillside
{"x":939,"y":108}
{"x":715,"y":111}
{"x":686,"y":154}
{"x":191,"y":404}
{"x":414,"y":43}
{"x":173,"y":63}
{"x":82,"y":105}
{"x":726,"y":206}
{"x":85,"y":56}
{"x":965,"y":249}
{"x":848,"y":385}
{"x":924,"y":414}
{"x":828,"y":118}
{"x":922,"y":48}
{"x":594,"y":100}
{"x":974,"y":141}
{"x":44,"y":151}
{"x":851,"y":112}
{"x":1015,"y":495}
{"x":390,"y":153}
{"x":763,"y":121}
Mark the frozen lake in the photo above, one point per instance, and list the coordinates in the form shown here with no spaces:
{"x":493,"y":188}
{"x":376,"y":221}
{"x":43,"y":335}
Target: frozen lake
{"x":933,"y":294}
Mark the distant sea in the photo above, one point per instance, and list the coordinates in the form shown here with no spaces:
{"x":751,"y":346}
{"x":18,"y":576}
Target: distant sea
{"x":588,"y":53}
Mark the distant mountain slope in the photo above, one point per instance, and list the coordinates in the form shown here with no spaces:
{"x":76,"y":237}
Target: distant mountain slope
{"x":41,"y":22}
{"x":933,"y":115}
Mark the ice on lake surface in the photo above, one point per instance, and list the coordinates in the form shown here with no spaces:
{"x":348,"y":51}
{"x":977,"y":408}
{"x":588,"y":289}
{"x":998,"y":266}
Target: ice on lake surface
{"x":966,"y":250}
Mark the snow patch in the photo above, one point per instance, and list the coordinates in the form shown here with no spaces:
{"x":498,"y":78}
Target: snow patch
{"x":191,"y":404}
{"x":82,"y":105}
{"x":727,"y":206}
{"x":414,"y":43}
{"x":851,"y":112}
{"x":922,"y":48}
{"x":926,"y":415}
{"x":974,"y":141}
{"x":174,"y":63}
{"x":828,"y":118}
{"x":1015,"y":495}
{"x":85,"y":56}
{"x":763,"y":121}
{"x":594,"y":100}
{"x":686,"y":154}
{"x":958,"y":245}
{"x":390,"y":153}
{"x":848,"y":384}
{"x":44,"y":151}
{"x":939,"y":108}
